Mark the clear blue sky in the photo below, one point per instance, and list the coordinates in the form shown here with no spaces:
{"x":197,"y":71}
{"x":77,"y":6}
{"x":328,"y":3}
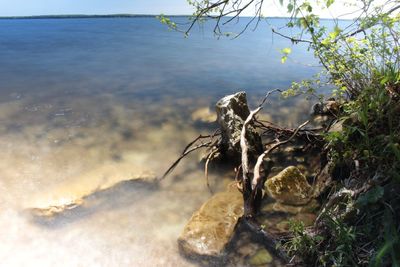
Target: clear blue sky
{"x":55,"y":7}
{"x":156,"y":7}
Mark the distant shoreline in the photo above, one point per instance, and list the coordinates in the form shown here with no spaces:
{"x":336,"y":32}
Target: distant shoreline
{"x":80,"y":16}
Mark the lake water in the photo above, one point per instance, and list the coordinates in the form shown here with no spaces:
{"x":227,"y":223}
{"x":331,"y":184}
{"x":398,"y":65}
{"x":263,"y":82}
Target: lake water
{"x":82,"y":97}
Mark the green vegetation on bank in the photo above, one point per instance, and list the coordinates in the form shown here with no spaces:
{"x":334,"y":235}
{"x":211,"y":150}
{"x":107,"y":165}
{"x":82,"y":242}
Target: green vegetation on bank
{"x":362,"y":63}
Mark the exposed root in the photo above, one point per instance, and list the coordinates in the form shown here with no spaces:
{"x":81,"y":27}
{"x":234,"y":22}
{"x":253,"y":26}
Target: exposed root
{"x":209,"y":157}
{"x":191,"y":147}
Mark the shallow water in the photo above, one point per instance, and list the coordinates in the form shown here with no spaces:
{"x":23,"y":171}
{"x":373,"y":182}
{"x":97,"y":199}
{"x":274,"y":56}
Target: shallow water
{"x":82,"y":97}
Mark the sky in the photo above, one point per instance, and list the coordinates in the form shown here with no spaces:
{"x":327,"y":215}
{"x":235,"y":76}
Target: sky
{"x":91,"y":7}
{"x":56,"y":7}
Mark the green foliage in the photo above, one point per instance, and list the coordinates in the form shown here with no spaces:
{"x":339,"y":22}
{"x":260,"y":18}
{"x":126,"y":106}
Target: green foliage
{"x":301,"y":242}
{"x":340,"y":248}
{"x":371,"y":133}
{"x":334,"y":247}
{"x":306,"y":87}
{"x":352,"y":53}
{"x":285,"y":51}
{"x":361,"y":62}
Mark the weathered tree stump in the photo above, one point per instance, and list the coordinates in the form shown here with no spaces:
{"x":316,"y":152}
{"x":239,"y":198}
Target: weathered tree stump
{"x":232,"y":111}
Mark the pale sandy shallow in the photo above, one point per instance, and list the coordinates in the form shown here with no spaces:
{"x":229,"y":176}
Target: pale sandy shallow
{"x":52,"y":151}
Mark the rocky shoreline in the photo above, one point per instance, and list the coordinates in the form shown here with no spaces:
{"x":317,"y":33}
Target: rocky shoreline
{"x":291,"y":189}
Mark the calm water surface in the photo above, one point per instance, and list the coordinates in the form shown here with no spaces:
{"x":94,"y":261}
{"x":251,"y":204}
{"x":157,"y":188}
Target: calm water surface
{"x":82,"y":97}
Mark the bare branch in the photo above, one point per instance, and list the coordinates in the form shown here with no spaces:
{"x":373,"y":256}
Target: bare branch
{"x":189,"y":149}
{"x":292,"y":39}
{"x":187,"y":152}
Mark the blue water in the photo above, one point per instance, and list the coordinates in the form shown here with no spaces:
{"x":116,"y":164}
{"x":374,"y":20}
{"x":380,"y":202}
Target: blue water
{"x":140,"y":57}
{"x":83,"y":98}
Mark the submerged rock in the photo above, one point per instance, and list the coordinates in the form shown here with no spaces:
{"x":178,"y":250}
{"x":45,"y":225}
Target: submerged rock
{"x":232,"y":111}
{"x":307,"y":219}
{"x":261,"y":257}
{"x":212,"y":226}
{"x":289,"y":186}
{"x":310,"y":207}
{"x":73,"y":192}
{"x":204,"y":115}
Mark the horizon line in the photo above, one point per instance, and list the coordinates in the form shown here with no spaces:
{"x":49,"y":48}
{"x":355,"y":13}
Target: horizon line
{"x":122,"y":15}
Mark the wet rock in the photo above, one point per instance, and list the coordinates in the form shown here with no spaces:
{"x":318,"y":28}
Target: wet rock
{"x":289,"y":186}
{"x":204,"y":115}
{"x":261,"y":257}
{"x":276,"y":216}
{"x":310,"y":207}
{"x":232,"y":111}
{"x":246,"y":249}
{"x":212,"y":226}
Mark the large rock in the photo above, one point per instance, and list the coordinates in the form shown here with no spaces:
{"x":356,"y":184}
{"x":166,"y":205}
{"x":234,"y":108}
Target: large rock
{"x":212,"y":226}
{"x":232,"y":111}
{"x":290,"y":187}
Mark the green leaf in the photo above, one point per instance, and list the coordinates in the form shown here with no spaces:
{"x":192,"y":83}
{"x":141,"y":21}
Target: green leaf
{"x":326,"y":41}
{"x":290,"y":8}
{"x":286,"y":50}
{"x":329,"y":2}
{"x":384,"y":80}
